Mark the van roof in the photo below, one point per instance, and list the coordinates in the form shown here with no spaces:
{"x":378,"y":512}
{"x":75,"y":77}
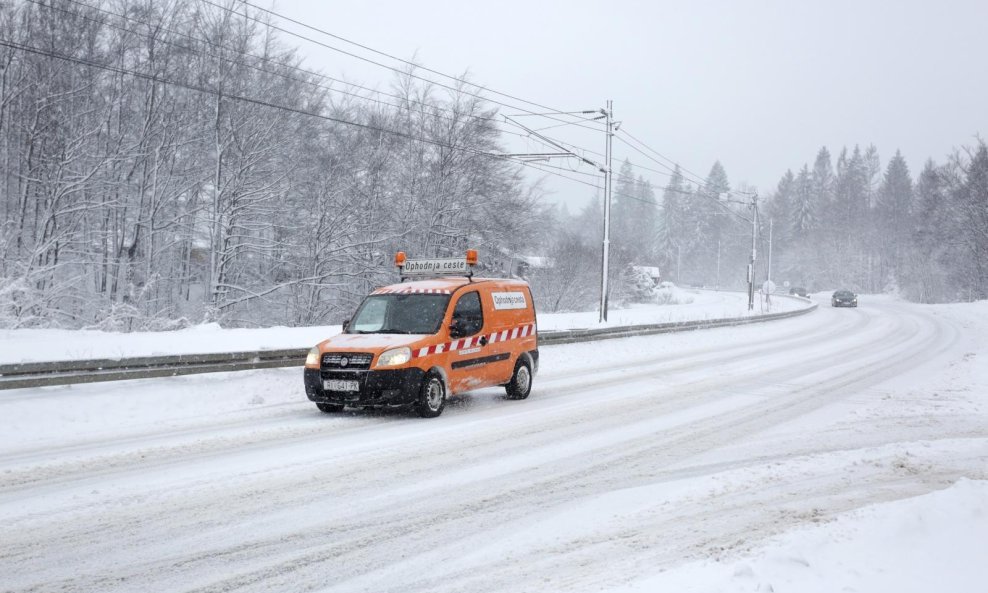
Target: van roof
{"x":445,"y":285}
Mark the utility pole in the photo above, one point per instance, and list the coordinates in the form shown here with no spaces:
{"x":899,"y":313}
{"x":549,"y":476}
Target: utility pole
{"x":770,"y":221}
{"x":768,"y":277}
{"x":717,"y":286}
{"x":751,"y":266}
{"x":609,"y":115}
{"x":679,"y":260}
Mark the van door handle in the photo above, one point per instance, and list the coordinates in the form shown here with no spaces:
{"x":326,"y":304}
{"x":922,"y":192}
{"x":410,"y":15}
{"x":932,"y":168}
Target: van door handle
{"x":483,"y":340}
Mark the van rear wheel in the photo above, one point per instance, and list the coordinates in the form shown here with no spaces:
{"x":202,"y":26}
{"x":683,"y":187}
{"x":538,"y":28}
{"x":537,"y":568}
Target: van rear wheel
{"x":521,"y":381}
{"x":432,"y":397}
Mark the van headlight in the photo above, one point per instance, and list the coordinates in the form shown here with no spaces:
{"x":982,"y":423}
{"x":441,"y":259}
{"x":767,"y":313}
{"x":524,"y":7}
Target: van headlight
{"x":312,"y":358}
{"x":394,"y":357}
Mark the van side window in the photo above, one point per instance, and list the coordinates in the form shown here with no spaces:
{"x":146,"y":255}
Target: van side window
{"x":468,"y":317}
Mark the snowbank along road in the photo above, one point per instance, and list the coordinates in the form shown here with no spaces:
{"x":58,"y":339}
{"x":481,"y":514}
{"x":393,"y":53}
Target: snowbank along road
{"x":631,"y":457}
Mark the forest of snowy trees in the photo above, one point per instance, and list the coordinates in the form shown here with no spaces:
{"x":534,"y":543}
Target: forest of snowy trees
{"x":170,"y":163}
{"x":870,"y":228}
{"x":850,"y":223}
{"x":177,"y":195}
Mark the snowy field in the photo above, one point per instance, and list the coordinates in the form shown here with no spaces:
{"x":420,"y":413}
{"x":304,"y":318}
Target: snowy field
{"x":44,"y":344}
{"x":844,"y":450}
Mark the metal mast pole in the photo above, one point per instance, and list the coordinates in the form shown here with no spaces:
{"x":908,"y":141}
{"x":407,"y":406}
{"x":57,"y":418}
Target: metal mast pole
{"x":768,"y":293}
{"x":770,"y":249}
{"x":608,"y":114}
{"x":717,"y":286}
{"x":679,"y":262}
{"x":751,"y":266}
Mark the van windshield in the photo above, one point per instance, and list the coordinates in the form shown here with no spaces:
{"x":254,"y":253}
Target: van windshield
{"x":400,"y":314}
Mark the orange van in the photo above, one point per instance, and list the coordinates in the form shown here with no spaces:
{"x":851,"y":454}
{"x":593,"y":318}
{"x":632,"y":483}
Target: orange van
{"x":414,"y":343}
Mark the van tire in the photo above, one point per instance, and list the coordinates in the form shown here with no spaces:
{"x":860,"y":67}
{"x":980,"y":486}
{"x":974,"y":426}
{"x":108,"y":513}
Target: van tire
{"x":329,"y":408}
{"x":520,"y":384}
{"x":432,"y":396}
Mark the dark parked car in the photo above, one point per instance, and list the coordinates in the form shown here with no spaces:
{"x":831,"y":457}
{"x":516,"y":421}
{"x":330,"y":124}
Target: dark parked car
{"x":844,"y":298}
{"x":799,"y":291}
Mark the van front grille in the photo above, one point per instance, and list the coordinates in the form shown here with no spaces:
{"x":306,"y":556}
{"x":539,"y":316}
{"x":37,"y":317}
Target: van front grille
{"x":347,"y":360}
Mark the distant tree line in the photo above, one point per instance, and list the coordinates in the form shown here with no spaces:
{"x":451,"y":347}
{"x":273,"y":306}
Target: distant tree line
{"x":167,"y":163}
{"x":851,"y":224}
{"x":698,"y":234}
{"x":854,"y":225}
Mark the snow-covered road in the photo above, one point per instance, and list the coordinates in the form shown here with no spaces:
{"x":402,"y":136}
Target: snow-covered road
{"x":631,"y":457}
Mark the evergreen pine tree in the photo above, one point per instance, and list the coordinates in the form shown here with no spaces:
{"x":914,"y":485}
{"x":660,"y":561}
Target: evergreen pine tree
{"x":894,"y":214}
{"x":711,"y":223}
{"x":873,"y":168}
{"x":623,"y":211}
{"x":643,"y":225}
{"x":780,"y":209}
{"x":672,"y":223}
{"x":971,"y":204}
{"x":804,"y":218}
{"x":930,"y":226}
{"x":926,"y":281}
{"x":822,"y":181}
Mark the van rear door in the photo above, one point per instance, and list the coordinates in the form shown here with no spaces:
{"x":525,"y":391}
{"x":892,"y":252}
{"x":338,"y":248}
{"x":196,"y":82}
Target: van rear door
{"x":512,"y":322}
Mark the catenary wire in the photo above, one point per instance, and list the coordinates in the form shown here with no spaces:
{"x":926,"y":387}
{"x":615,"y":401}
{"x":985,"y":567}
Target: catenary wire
{"x":198,"y":88}
{"x":309,"y":82}
{"x":262,"y":103}
{"x":746,"y":203}
{"x":696,"y":176}
{"x":235,"y":97}
{"x":666,"y":188}
{"x":264,"y":59}
{"x":370,"y":61}
{"x":552,"y":111}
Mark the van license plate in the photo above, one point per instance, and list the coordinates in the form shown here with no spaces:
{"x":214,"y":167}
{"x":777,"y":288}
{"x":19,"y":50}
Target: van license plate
{"x":337,"y":385}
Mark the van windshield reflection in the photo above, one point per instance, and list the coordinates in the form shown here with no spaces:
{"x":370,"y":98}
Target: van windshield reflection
{"x":400,"y":314}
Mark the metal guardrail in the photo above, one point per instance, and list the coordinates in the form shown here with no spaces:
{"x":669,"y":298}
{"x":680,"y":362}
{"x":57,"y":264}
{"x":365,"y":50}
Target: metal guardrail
{"x":41,"y":374}
{"x":606,"y":333}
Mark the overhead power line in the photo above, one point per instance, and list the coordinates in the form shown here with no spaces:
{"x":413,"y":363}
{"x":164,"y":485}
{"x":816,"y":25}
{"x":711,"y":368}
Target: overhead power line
{"x":433,"y":108}
{"x":268,"y":104}
{"x":236,"y":97}
{"x":251,"y":56}
{"x":669,"y":172}
{"x":696,"y":178}
{"x":672,"y":171}
{"x":543,"y":168}
{"x":552,"y":111}
{"x":392,"y":68}
{"x":662,"y":187}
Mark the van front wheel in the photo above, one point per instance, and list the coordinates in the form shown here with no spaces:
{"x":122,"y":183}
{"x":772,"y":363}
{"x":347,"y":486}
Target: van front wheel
{"x":521,"y":381}
{"x":432,"y":397}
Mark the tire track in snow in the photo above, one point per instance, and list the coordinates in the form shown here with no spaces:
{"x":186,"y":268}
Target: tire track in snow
{"x":155,"y":447}
{"x":570,"y":475}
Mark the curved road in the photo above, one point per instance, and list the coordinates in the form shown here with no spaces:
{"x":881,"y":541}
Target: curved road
{"x":630,"y":457}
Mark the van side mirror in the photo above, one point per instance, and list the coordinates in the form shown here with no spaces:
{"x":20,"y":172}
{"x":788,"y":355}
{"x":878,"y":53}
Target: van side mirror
{"x":346,"y":325}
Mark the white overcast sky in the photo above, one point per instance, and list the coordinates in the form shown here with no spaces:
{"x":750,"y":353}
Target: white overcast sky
{"x":758,"y":85}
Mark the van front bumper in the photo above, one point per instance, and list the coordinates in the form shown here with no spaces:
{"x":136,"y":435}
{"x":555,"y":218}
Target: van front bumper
{"x":398,"y":387}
